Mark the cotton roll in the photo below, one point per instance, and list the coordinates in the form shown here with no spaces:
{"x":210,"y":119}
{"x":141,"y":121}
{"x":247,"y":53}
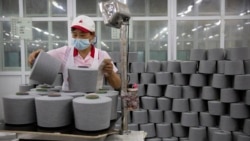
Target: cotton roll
{"x":164,"y":130}
{"x":234,"y":67}
{"x":163,"y":78}
{"x":215,"y":54}
{"x":239,"y":53}
{"x":197,"y":134}
{"x":153,"y":66}
{"x":59,"y":80}
{"x":153,"y":139}
{"x":180,"y":79}
{"x":171,"y":117}
{"x":207,"y":66}
{"x":221,"y":81}
{"x":246,"y":127}
{"x":174,"y":66}
{"x":180,"y":105}
{"x":114,"y":96}
{"x":170,"y":139}
{"x":141,"y":90}
{"x":247,"y":66}
{"x":140,"y":116}
{"x":132,"y":56}
{"x":188,"y":67}
{"x":189,"y":119}
{"x":137,"y":67}
{"x":198,"y":54}
{"x":241,"y":82}
{"x":51,"y":109}
{"x":228,"y":124}
{"x":247,"y":97}
{"x":179,"y":130}
{"x":87,"y":111}
{"x":147,"y":78}
{"x":243,"y":138}
{"x":25,"y":87}
{"x":154,"y":90}
{"x":164,"y":66}
{"x":148,"y":102}
{"x":83,"y":79}
{"x":173,"y":91}
{"x":155,"y":116}
{"x":198,"y":105}
{"x":221,"y":136}
{"x":149,"y":128}
{"x":211,"y":131}
{"x":239,"y":110}
{"x":207,"y":119}
{"x":19,"y":109}
{"x":216,"y":108}
{"x":133,"y":78}
{"x":164,"y":103}
{"x":229,"y":95}
{"x":221,"y":66}
{"x":189,"y":92}
{"x":198,"y":80}
{"x":45,"y":68}
{"x":209,"y":93}
{"x":133,"y":127}
{"x":236,"y":135}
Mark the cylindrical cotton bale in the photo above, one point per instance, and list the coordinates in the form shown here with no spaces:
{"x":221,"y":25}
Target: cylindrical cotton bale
{"x":207,"y":119}
{"x":180,"y":105}
{"x":153,"y":66}
{"x":221,"y":66}
{"x":198,"y":105}
{"x":133,"y":127}
{"x":163,"y":78}
{"x":115,"y":56}
{"x":211,"y":131}
{"x":197,"y":134}
{"x":137,"y":67}
{"x":189,"y":119}
{"x":198,"y":54}
{"x":164,"y":103}
{"x":171,"y":117}
{"x":164,"y":130}
{"x":229,"y":95}
{"x":87,"y":111}
{"x":45,"y":68}
{"x":148,"y":102}
{"x":236,"y":134}
{"x":51,"y":109}
{"x":132,"y":56}
{"x":216,"y":54}
{"x":133,"y":78}
{"x":140,"y":116}
{"x":77,"y":75}
{"x":154,"y":90}
{"x":184,"y":139}
{"x":188,"y":67}
{"x":216,"y":108}
{"x":141,"y":90}
{"x":243,"y":138}
{"x":247,"y":66}
{"x":247,"y":97}
{"x":239,"y":53}
{"x":179,"y":130}
{"x":221,"y":136}
{"x":246,"y":127}
{"x":239,"y":110}
{"x":164,"y":66}
{"x":155,"y":116}
{"x":147,"y":78}
{"x":209,"y":93}
{"x":180,"y":79}
{"x":19,"y":109}
{"x":228,"y":124}
{"x":174,"y":66}
{"x":153,"y":139}
{"x":173,"y":91}
{"x":198,"y":80}
{"x":241,"y":82}
{"x":114,"y":96}
{"x":149,"y":128}
{"x":207,"y":66}
{"x":234,"y":67}
{"x":170,"y":139}
{"x":221,"y":81}
{"x":25,"y":87}
{"x":59,"y":80}
{"x":189,"y":92}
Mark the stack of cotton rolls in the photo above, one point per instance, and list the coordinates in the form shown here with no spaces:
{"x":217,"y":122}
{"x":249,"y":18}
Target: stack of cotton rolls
{"x":92,"y":112}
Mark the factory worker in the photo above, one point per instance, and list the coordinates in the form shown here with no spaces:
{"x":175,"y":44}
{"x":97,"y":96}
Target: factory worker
{"x":82,"y":52}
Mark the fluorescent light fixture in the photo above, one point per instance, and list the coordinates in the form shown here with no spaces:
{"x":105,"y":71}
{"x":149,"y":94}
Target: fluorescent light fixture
{"x":198,"y":1}
{"x":57,"y":5}
{"x":217,"y":23}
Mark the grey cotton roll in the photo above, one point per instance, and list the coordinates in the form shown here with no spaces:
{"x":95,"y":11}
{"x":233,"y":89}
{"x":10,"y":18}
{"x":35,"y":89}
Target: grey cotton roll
{"x":163,"y":78}
{"x":164,"y":103}
{"x":197,"y":134}
{"x":247,"y":66}
{"x":180,"y":105}
{"x":170,"y":139}
{"x":179,"y":130}
{"x":180,"y":79}
{"x":216,"y":54}
{"x":140,"y":116}
{"x":243,"y":138}
{"x":189,"y":92}
{"x":221,"y":66}
{"x":198,"y":105}
{"x":207,"y":120}
{"x":241,"y":82}
{"x":221,"y":135}
{"x":174,"y":66}
{"x":188,"y":67}
{"x":147,"y":78}
{"x":141,"y":90}
{"x":149,"y":128}
{"x":164,"y":66}
{"x":137,"y":67}
{"x":228,"y":123}
{"x":209,"y":93}
{"x":173,"y":91}
{"x":207,"y":66}
{"x":155,"y":116}
{"x":216,"y":108}
{"x":246,"y":127}
{"x":154,"y":90}
{"x":164,"y":130}
{"x":19,"y":109}
{"x":239,"y":110}
{"x":25,"y":87}
{"x":236,"y":135}
{"x":133,"y":78}
{"x":133,"y":127}
{"x":198,"y":54}
{"x":153,"y":139}
{"x":148,"y":102}
{"x":153,"y":66}
{"x":211,"y":131}
{"x":171,"y":117}
{"x":189,"y":119}
{"x":50,"y":110}
{"x":234,"y":67}
{"x":221,"y":81}
{"x":229,"y":95}
{"x":247,"y":97}
{"x":239,"y":53}
{"x":198,"y":80}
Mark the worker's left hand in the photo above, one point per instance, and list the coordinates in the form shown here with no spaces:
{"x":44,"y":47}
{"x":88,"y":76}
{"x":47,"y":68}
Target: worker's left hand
{"x":108,"y":67}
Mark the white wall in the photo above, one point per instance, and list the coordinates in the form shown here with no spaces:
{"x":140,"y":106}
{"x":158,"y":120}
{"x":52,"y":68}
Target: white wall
{"x":8,"y":85}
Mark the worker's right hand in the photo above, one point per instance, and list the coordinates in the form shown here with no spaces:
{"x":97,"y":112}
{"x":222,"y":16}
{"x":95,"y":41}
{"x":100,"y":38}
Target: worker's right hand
{"x":33,"y":56}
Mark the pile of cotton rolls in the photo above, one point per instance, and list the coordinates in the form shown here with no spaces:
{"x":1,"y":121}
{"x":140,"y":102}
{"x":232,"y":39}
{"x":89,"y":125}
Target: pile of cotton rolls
{"x":206,"y":98}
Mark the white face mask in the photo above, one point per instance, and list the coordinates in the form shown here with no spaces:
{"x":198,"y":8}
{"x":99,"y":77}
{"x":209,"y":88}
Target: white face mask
{"x":80,"y":44}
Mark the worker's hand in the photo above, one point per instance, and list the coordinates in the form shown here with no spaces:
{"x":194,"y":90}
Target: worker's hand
{"x":33,"y":56}
{"x":108,"y":67}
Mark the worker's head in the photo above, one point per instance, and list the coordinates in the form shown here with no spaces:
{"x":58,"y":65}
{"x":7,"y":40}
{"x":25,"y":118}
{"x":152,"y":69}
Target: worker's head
{"x":83,"y":32}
